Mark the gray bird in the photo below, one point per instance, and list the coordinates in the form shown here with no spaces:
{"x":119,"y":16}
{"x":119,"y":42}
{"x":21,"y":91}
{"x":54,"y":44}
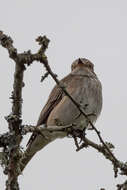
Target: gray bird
{"x":84,"y":86}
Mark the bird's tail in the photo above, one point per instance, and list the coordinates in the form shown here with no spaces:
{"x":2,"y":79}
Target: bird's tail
{"x":39,"y":143}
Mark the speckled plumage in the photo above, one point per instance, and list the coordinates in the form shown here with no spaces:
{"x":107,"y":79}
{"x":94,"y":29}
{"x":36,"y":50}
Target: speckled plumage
{"x":84,"y":86}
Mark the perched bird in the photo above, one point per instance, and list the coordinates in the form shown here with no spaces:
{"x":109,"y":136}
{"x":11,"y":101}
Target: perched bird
{"x":84,"y":86}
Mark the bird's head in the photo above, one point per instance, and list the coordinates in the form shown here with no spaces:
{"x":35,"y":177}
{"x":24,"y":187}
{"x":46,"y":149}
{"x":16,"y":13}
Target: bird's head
{"x":82,"y":63}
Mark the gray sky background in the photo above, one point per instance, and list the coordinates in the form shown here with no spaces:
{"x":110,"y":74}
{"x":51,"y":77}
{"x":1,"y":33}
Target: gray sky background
{"x":95,"y":30}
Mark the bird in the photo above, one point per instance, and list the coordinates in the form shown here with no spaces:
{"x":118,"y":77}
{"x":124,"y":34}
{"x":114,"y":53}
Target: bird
{"x":85,"y":88}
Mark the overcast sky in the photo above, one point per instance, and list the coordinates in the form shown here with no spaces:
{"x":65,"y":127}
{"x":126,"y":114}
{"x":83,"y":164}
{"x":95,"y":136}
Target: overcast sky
{"x":95,"y":30}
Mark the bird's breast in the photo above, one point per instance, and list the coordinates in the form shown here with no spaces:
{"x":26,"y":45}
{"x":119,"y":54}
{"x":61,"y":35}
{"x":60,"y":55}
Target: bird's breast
{"x":86,"y":91}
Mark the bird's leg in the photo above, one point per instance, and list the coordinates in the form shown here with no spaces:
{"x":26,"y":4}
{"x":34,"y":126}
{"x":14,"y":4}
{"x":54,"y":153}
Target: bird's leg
{"x":76,"y":142}
{"x":82,"y":138}
{"x":81,"y":135}
{"x":83,"y":145}
{"x":75,"y":134}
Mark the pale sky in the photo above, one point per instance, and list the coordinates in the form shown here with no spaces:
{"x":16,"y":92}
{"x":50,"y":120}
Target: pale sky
{"x":95,"y":30}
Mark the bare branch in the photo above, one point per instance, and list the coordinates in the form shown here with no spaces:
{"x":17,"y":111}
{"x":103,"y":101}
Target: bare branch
{"x":11,"y":140}
{"x":14,"y":123}
{"x":70,"y":130}
{"x":13,"y":119}
{"x":122,"y":186}
{"x":7,"y":43}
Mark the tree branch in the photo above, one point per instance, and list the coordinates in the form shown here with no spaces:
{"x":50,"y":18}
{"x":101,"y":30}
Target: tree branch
{"x":11,"y":140}
{"x":48,"y":133}
{"x":122,"y":186}
{"x":14,"y":119}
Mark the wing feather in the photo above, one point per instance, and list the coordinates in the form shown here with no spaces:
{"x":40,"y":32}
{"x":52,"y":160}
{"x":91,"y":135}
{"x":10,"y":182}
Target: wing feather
{"x":54,"y":98}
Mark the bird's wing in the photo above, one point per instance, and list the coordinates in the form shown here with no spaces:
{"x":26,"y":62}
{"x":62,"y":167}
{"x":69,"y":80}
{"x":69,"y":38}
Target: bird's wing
{"x":54,"y":98}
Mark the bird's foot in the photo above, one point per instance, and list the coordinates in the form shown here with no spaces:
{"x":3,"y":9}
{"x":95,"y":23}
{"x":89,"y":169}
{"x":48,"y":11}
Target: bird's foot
{"x":78,"y":136}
